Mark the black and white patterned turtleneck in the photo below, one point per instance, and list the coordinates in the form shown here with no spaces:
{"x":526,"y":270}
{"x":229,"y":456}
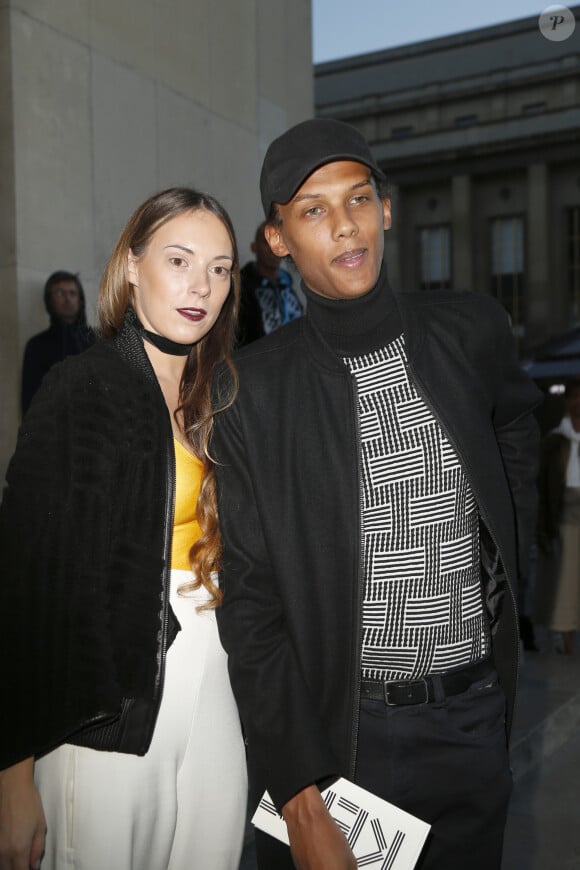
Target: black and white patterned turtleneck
{"x":423,"y":610}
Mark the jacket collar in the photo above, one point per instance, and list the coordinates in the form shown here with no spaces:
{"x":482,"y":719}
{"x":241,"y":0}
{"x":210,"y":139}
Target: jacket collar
{"x":353,"y":327}
{"x":412,"y":320}
{"x":129,"y":345}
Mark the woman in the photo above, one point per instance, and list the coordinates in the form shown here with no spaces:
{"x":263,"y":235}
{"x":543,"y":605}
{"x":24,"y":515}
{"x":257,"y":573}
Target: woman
{"x":114,"y":684}
{"x":558,"y":573}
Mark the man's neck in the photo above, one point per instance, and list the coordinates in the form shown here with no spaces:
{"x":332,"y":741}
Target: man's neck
{"x":356,"y":326}
{"x":60,"y":324}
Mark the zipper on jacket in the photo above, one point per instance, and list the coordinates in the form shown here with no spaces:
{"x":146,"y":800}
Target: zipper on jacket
{"x":467,"y":469}
{"x":167,"y":534}
{"x":360,"y":580}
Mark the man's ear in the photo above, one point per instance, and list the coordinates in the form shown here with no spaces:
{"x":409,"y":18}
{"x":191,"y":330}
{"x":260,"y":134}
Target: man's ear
{"x":387,"y":221}
{"x":133,"y":269}
{"x":275,"y":239}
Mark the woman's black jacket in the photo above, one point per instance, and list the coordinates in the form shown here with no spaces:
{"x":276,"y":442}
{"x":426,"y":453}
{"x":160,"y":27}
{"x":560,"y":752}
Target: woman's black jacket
{"x":85,"y":535}
{"x":288,"y":480}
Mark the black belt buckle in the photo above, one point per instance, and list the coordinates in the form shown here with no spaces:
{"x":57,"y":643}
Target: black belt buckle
{"x":407,"y":688}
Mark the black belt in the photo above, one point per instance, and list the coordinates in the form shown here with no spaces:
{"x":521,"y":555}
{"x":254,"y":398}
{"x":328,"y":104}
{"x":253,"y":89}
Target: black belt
{"x":422,"y":691}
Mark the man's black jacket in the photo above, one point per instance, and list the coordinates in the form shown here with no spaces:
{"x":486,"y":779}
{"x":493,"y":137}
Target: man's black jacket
{"x":288,"y":490}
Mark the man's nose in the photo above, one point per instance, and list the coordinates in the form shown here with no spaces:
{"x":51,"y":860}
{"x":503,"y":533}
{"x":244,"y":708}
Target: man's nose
{"x":344,"y":224}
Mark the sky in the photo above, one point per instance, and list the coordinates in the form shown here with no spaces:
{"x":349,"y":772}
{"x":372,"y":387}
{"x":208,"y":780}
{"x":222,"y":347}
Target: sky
{"x":345,"y":27}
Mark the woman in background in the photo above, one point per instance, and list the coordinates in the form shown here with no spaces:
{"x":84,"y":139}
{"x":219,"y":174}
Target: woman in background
{"x":119,"y":733}
{"x":558,"y":573}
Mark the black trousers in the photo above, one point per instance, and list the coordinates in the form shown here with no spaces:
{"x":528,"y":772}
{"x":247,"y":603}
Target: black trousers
{"x":447,"y":763}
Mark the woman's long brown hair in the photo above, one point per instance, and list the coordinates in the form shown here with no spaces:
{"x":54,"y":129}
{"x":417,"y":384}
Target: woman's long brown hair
{"x":195,"y":393}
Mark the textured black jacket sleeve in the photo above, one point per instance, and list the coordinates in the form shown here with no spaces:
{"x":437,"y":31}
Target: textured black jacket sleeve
{"x":54,"y":660}
{"x":82,"y":530}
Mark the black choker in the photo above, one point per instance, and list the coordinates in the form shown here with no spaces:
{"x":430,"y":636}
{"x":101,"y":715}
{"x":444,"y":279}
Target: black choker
{"x":165,"y":345}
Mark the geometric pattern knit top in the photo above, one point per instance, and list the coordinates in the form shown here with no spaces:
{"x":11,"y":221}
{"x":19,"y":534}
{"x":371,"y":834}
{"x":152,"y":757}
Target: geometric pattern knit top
{"x":423,"y":610}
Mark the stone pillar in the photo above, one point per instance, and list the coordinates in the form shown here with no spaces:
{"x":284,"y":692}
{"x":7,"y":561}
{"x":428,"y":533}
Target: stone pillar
{"x":461,"y":236}
{"x":538,"y":292}
{"x":9,"y":346}
{"x":393,"y":241}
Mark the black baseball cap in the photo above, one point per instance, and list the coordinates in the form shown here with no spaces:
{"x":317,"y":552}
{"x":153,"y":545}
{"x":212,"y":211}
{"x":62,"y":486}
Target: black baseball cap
{"x":294,"y":155}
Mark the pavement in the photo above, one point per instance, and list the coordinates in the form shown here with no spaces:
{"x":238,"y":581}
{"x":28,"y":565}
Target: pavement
{"x":543,"y":828}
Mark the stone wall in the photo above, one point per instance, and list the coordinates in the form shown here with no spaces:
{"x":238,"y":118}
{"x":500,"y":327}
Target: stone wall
{"x":103,"y":102}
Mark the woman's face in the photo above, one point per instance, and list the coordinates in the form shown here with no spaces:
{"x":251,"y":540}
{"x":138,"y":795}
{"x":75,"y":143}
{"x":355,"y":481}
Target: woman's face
{"x":182,"y":280}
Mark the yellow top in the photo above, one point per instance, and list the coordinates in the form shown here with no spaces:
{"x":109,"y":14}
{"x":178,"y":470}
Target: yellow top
{"x":186,"y":531}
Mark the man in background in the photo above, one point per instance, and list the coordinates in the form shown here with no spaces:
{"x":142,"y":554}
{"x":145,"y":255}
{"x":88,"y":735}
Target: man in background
{"x":268,"y":297}
{"x":68,"y":333}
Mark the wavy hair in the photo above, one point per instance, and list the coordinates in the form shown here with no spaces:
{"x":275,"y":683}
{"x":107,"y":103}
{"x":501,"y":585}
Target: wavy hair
{"x":195,"y":391}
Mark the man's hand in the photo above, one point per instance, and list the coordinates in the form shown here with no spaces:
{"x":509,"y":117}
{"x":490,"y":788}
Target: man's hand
{"x":316,"y":841}
{"x":22,"y":821}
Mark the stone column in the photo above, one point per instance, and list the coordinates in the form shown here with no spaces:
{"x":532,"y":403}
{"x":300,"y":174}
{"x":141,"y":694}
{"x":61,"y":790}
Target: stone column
{"x":461,"y":237}
{"x":537,"y":264}
{"x":393,"y":241}
{"x":9,"y":344}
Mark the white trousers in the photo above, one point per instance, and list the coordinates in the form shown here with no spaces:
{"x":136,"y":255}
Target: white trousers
{"x":181,"y":806}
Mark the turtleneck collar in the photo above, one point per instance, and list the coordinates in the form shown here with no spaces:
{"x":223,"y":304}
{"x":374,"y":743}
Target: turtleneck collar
{"x":353,"y":327}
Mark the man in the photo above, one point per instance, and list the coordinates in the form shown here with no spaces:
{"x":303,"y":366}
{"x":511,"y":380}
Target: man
{"x":268,"y":297}
{"x":68,"y":333}
{"x":376,"y":481}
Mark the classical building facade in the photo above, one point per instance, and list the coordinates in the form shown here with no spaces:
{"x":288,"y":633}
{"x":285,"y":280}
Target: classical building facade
{"x":103,"y":102}
{"x":479,"y":135}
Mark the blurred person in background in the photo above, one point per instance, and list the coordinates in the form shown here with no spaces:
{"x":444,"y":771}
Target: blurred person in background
{"x":557,"y":604}
{"x":68,"y":333}
{"x":268,"y":297}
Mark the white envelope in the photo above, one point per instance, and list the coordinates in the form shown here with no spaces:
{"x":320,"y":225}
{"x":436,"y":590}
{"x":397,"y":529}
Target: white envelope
{"x":379,"y":833}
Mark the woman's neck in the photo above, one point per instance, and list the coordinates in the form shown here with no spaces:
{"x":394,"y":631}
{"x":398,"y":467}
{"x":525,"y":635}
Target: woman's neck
{"x":166,"y":367}
{"x":168,"y":371}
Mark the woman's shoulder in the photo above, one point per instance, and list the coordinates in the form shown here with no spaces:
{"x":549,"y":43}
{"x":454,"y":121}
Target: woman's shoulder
{"x":98,"y":382}
{"x":99,"y":367}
